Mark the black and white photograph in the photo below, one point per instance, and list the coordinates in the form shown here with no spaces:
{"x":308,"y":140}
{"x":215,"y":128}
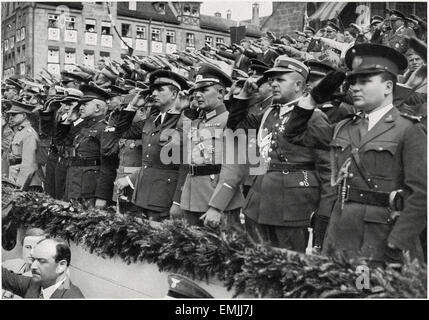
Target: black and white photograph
{"x":218,"y":152}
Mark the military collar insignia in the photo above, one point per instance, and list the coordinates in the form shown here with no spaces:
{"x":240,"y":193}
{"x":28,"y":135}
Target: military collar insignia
{"x":217,"y":111}
{"x":77,"y":122}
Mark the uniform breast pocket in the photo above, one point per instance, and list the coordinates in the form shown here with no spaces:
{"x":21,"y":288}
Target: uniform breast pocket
{"x":16,"y":148}
{"x":89,"y":182}
{"x":378,"y":157}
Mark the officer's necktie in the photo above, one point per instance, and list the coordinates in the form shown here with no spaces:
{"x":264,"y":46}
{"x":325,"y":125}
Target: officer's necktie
{"x":363,"y":125}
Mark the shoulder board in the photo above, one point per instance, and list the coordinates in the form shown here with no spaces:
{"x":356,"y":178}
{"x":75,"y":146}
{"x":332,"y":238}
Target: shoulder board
{"x":411,"y":117}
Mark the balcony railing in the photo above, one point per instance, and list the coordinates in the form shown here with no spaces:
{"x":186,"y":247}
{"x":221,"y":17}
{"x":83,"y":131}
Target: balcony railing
{"x":141,"y":45}
{"x":156,"y":47}
{"x":54,"y":34}
{"x":171,"y":47}
{"x":70,"y":36}
{"x":91,"y":38}
{"x":106,"y":40}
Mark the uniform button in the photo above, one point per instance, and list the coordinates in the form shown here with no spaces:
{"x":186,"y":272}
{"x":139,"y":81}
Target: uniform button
{"x":147,"y":156}
{"x":380,"y":148}
{"x":168,"y":180}
{"x":269,"y":159}
{"x":152,"y":134}
{"x":301,"y":183}
{"x":145,"y":167}
{"x":375,"y":186}
{"x":148,"y":144}
{"x":270,"y":149}
{"x":361,"y":195}
{"x":273,"y":141}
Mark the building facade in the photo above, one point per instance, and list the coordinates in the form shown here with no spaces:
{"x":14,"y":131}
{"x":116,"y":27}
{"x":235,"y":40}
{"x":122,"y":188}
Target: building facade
{"x":56,"y":36}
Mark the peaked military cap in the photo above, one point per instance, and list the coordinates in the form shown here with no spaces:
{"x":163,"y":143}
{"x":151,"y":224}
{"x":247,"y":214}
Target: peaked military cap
{"x":258,"y":66}
{"x":368,"y":58}
{"x":208,"y":75}
{"x":91,"y":92}
{"x":71,"y":76}
{"x":118,"y":90}
{"x":183,"y":287}
{"x":71,"y":94}
{"x":396,"y":14}
{"x":332,"y":25}
{"x":11,"y":83}
{"x":20,"y":107}
{"x":285,"y":64}
{"x":318,"y":68}
{"x":376,"y":19}
{"x":167,"y":77}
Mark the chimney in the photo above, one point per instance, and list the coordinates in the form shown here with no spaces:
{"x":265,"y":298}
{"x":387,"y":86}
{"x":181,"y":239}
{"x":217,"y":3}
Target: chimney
{"x":228,"y":14}
{"x":218,"y":15}
{"x":255,"y":14}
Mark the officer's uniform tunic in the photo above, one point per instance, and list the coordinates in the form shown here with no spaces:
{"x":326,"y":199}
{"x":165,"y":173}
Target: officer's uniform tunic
{"x":22,"y":156}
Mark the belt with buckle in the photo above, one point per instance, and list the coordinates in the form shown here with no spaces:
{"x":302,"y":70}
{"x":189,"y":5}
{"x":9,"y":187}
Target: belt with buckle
{"x":82,"y":162}
{"x":204,"y":170}
{"x":308,"y":166}
{"x":373,"y":198}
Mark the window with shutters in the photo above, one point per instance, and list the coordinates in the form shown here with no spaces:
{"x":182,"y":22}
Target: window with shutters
{"x":209,"y":40}
{"x":89,"y":25}
{"x":54,"y":55}
{"x":170,"y":36}
{"x":141,"y":32}
{"x":12,"y":42}
{"x":156,"y":34}
{"x":219,"y":41}
{"x":190,"y":40}
{"x":53,"y":21}
{"x":70,"y":23}
{"x":106,"y":27}
{"x":132,"y":5}
{"x":70,"y":56}
{"x":126,"y":30}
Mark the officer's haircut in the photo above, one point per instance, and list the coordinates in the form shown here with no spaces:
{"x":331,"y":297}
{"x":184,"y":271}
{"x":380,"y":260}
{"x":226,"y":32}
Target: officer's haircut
{"x":63,"y":251}
{"x":220,"y":88}
{"x":387,"y":76}
{"x":173,"y":89}
{"x":34,"y":232}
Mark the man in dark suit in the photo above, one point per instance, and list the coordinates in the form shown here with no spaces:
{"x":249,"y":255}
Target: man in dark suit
{"x":50,"y":280}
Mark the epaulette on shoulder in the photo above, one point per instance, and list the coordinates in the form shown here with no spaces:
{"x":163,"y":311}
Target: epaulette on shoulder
{"x":411,"y":117}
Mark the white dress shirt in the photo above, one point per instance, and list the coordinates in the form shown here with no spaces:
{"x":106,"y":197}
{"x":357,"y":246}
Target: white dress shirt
{"x":49,"y":291}
{"x":377,"y":114}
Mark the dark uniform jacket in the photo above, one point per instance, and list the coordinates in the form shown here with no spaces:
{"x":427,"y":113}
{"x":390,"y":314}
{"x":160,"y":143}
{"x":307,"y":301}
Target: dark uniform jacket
{"x":205,"y":137}
{"x":89,"y":173}
{"x":397,"y":38}
{"x":155,"y":182}
{"x":363,"y":223}
{"x":25,"y":287}
{"x":288,"y":196}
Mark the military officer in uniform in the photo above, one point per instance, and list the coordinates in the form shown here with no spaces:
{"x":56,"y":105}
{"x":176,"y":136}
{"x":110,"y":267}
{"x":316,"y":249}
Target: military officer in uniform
{"x":155,"y":182}
{"x":56,"y":110}
{"x":211,"y":190}
{"x":288,"y":188}
{"x":23,"y":166}
{"x":11,"y":89}
{"x":88,"y":172}
{"x":336,"y":110}
{"x":365,"y":149}
{"x":396,"y":37}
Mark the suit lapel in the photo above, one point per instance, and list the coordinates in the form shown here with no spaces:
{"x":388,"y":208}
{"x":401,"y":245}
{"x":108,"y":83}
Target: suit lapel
{"x":384,"y":124}
{"x":61,"y":290}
